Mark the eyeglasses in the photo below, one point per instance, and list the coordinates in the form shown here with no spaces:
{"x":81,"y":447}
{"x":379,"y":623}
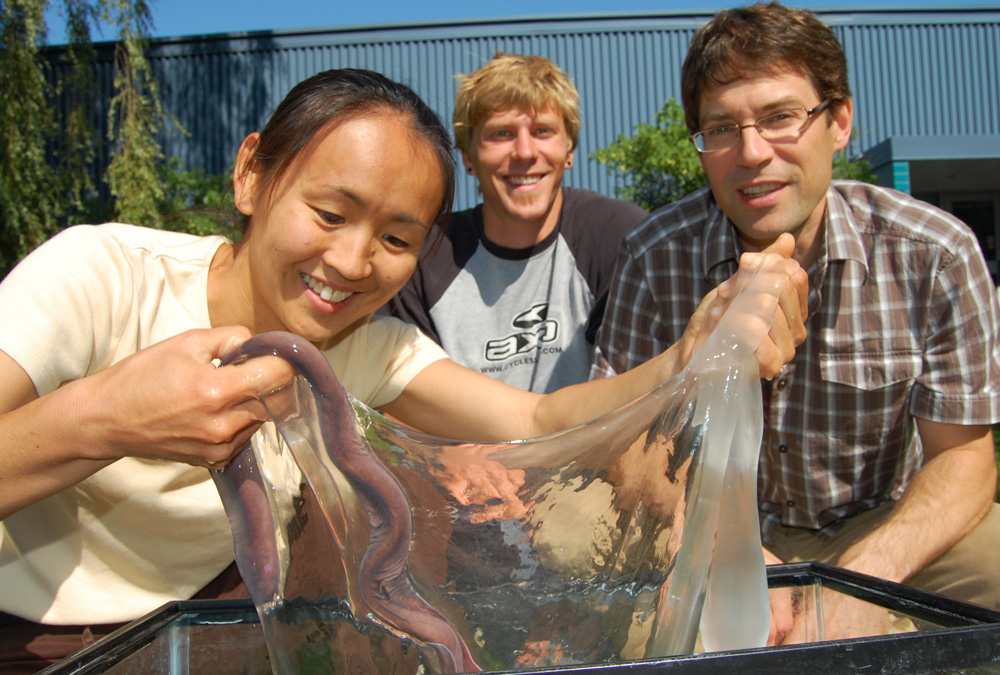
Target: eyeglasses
{"x":779,"y":127}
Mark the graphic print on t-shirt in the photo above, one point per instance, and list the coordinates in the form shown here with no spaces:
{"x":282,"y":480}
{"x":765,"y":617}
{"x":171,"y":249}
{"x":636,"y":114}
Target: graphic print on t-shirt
{"x":536,"y":330}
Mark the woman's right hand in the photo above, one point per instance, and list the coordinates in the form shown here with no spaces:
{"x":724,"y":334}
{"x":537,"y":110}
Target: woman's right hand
{"x":168,"y":402}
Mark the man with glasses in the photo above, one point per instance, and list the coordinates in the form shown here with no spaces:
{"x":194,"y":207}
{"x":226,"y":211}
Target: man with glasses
{"x":877,"y":453}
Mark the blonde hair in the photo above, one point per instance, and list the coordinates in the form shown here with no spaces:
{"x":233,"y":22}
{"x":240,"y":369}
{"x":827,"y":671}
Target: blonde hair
{"x":513,"y":81}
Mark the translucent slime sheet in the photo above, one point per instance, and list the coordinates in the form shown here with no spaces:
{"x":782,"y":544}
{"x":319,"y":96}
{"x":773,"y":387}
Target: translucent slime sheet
{"x":370,"y":547}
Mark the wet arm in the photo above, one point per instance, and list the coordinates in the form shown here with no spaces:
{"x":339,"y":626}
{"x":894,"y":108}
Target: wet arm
{"x":452,"y":401}
{"x":448,"y":400}
{"x":166,"y":402}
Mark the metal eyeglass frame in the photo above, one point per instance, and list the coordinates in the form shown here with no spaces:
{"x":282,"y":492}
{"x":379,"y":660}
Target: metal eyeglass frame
{"x":698,"y":138}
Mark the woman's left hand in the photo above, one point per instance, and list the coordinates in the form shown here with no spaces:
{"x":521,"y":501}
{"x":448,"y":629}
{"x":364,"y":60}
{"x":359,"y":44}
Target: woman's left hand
{"x":784,"y":279}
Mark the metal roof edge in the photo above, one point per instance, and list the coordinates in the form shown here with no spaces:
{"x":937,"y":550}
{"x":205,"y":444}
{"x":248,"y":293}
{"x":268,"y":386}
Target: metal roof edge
{"x":560,"y":22}
{"x":915,"y":148}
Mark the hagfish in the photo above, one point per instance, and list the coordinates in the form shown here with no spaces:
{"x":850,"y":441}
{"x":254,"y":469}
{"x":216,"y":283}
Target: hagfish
{"x":385,"y":585}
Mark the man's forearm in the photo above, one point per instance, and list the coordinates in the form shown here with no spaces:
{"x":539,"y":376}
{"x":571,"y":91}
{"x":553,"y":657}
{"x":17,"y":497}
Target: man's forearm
{"x":947,"y":498}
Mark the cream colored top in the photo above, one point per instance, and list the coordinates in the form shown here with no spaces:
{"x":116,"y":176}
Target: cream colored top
{"x":138,"y":533}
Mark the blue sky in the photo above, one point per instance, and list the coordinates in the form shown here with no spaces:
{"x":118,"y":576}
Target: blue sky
{"x":196,"y":17}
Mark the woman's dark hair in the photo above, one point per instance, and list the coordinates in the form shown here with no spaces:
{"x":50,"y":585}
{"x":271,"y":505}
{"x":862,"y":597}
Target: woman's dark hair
{"x":762,"y":39}
{"x":336,"y":96}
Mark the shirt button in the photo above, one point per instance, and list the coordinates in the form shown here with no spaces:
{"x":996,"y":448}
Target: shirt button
{"x":782,"y":383}
{"x":782,"y":448}
{"x":790,"y":503}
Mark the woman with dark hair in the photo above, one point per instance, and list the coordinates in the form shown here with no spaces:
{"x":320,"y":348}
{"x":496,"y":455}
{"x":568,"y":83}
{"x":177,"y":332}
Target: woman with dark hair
{"x":112,"y":405}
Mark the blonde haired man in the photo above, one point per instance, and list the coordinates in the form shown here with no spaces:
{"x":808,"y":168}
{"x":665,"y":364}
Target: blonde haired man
{"x":517,"y":287}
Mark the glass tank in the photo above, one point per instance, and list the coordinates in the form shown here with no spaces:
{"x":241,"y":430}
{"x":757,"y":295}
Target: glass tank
{"x":923,"y":633}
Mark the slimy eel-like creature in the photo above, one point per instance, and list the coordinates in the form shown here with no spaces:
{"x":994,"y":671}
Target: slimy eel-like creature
{"x":385,"y":586}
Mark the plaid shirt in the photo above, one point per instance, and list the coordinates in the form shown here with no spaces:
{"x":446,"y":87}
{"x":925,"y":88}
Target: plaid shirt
{"x":903,"y":323}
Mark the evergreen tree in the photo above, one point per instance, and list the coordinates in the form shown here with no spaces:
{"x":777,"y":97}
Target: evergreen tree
{"x":29,"y":198}
{"x":134,"y":118}
{"x":45,"y":169}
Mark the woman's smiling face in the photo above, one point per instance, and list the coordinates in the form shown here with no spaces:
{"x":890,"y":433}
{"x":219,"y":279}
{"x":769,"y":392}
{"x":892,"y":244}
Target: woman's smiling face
{"x":341,"y":232}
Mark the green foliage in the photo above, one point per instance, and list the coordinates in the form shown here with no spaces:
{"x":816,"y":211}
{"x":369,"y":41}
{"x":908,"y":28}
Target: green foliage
{"x":657,"y":164}
{"x":29,"y":194}
{"x":192,"y":201}
{"x":853,"y":169}
{"x":45,"y":167}
{"x":197,"y":203}
{"x":134,"y":118}
{"x":74,"y":153}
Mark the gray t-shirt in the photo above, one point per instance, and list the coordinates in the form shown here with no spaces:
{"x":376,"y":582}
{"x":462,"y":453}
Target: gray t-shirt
{"x":527,"y":317}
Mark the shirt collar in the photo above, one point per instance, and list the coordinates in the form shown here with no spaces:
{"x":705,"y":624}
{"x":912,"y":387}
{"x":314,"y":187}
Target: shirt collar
{"x":843,"y":236}
{"x":842,"y":240}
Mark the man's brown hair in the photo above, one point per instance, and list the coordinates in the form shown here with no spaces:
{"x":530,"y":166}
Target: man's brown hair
{"x":762,"y":39}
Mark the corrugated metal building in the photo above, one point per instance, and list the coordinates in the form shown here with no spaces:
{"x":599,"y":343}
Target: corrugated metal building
{"x":926,"y":83}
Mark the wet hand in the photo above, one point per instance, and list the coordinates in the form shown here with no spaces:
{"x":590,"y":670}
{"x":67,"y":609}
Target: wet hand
{"x":837,"y":616}
{"x":788,"y":330}
{"x":170,"y":401}
{"x":486,"y":486}
{"x":768,"y":295}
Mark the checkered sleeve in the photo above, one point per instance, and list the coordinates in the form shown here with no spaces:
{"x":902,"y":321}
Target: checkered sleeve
{"x":625,"y":339}
{"x":960,"y":381}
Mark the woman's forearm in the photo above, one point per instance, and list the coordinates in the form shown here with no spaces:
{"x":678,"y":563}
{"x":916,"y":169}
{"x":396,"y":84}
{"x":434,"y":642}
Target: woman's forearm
{"x":44,"y":448}
{"x":167,"y":402}
{"x":583,"y":402}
